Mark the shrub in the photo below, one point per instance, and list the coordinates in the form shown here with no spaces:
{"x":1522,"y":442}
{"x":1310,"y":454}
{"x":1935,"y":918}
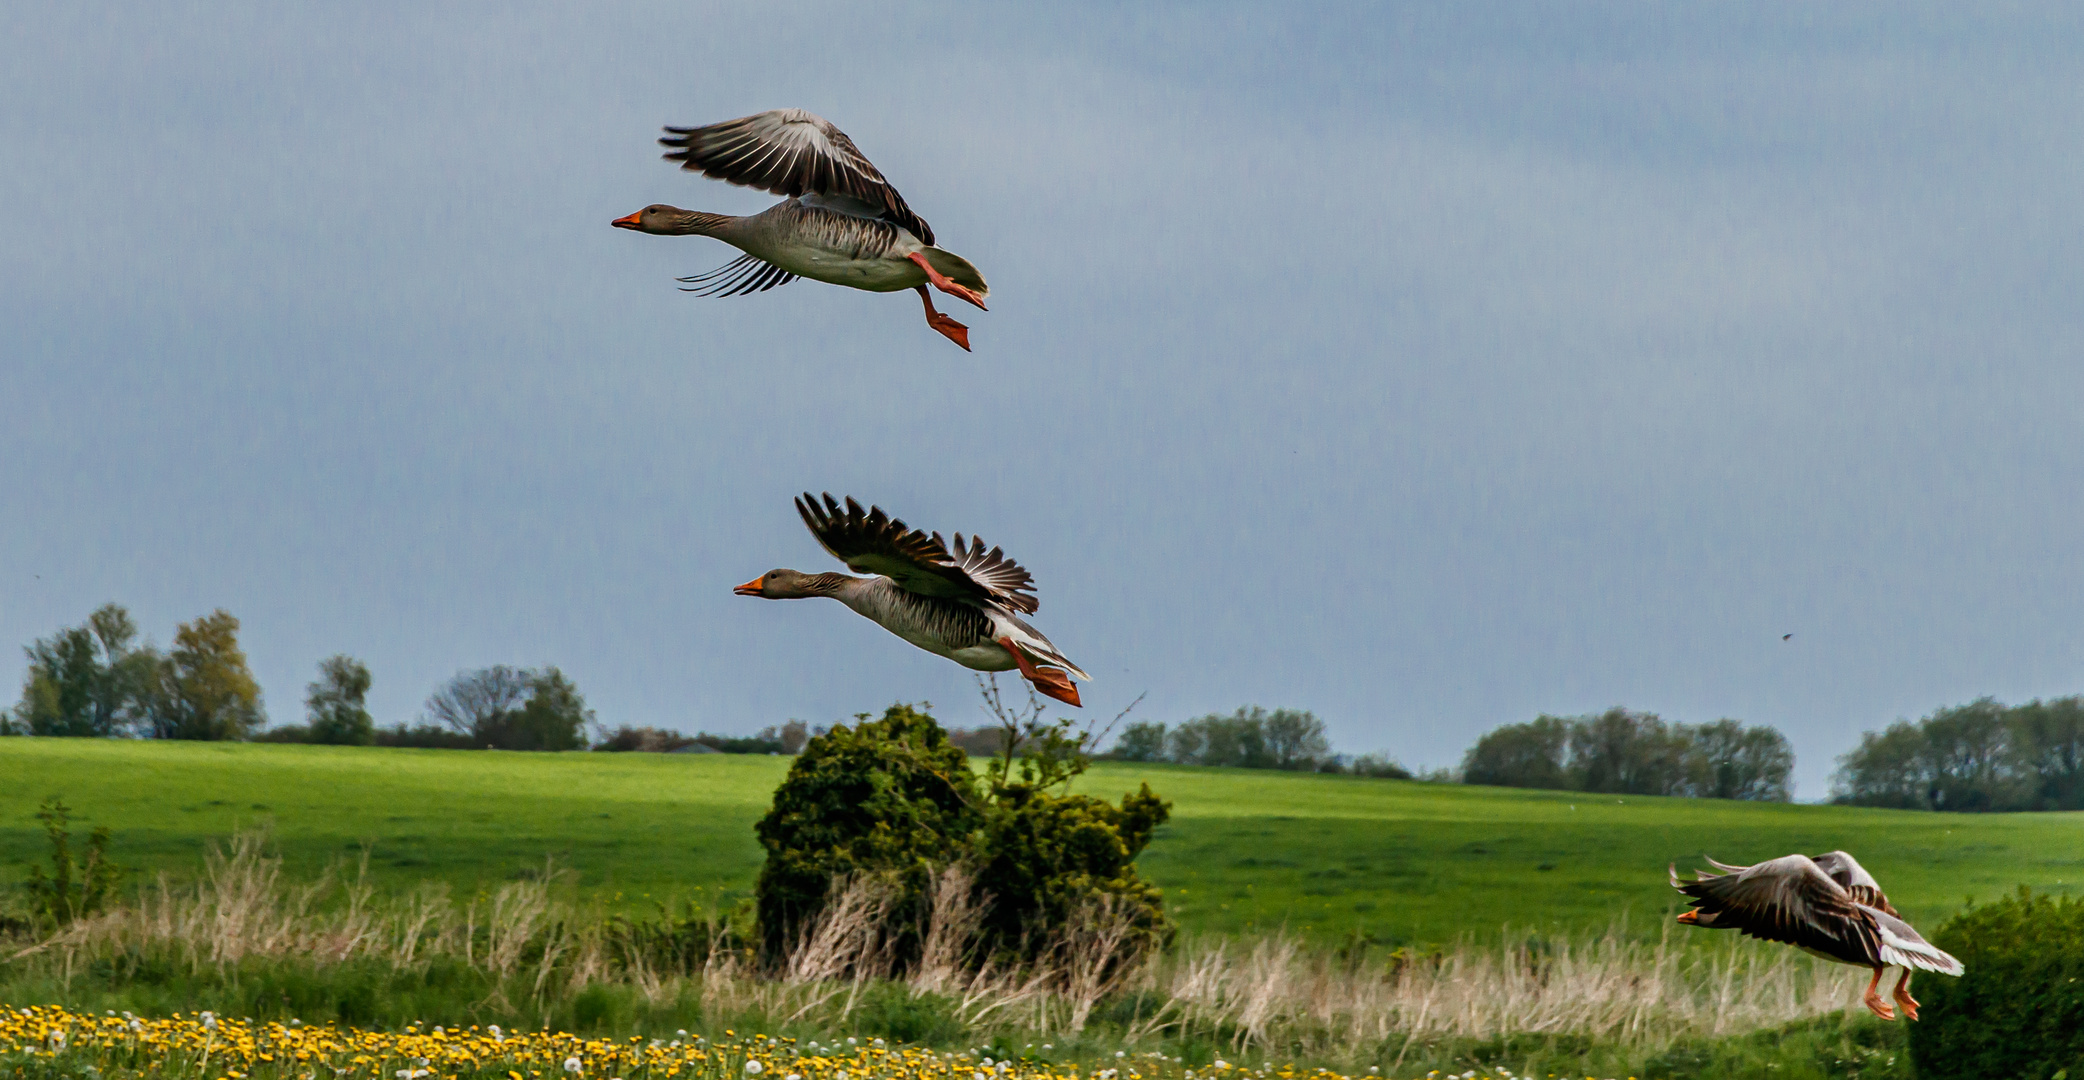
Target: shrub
{"x":1048,"y":857}
{"x":2018,"y":1010}
{"x":75,"y":887}
{"x":885,"y":796}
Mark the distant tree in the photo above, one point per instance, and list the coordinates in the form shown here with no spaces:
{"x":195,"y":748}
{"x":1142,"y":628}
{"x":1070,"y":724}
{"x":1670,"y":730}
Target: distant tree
{"x":1529,"y":755}
{"x":334,"y":704}
{"x":203,"y":688}
{"x":1732,"y":761}
{"x":1621,"y":751}
{"x":1888,"y":768}
{"x":1295,"y":739}
{"x":506,"y":708}
{"x":1627,"y":753}
{"x":790,"y":736}
{"x":87,"y":680}
{"x":1143,"y":741}
{"x":1238,"y":740}
{"x":477,"y":702}
{"x":2050,"y":740}
{"x":1980,"y":756}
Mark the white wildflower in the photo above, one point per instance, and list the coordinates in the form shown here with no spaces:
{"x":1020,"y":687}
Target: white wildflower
{"x":754,"y":1068}
{"x":850,"y":1040}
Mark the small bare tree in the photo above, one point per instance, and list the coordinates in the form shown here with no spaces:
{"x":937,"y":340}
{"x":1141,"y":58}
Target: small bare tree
{"x":1042,"y":753}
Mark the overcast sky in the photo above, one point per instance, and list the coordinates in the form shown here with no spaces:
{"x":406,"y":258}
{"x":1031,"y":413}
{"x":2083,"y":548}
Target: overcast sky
{"x":1428,"y":367}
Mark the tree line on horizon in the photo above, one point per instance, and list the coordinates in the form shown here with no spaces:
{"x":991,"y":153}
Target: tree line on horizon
{"x":99,"y":680}
{"x":1623,"y":752}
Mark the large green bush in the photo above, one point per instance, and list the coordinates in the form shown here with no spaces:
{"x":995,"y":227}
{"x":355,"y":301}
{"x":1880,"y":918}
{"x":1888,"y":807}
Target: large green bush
{"x":894,"y":797}
{"x":2018,"y":1010}
{"x":887,"y":796}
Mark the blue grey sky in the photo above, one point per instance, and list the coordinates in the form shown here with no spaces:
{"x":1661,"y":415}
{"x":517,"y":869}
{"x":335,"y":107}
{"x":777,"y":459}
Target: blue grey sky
{"x":1425,"y":366}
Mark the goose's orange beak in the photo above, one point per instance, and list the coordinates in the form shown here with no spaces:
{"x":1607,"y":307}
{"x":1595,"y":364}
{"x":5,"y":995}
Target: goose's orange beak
{"x":753,"y":587}
{"x":629,"y":222}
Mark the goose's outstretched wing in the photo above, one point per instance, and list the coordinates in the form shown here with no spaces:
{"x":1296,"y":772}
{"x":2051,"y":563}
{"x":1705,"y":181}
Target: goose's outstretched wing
{"x":872,"y":542}
{"x":794,"y":153}
{"x":1854,"y":879}
{"x":1789,"y":900}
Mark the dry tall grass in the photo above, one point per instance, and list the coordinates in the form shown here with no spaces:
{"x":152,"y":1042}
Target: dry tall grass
{"x":1274,"y":992}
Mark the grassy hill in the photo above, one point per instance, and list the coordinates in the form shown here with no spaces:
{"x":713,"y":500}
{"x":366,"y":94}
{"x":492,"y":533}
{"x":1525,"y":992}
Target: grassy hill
{"x":1246,"y":850}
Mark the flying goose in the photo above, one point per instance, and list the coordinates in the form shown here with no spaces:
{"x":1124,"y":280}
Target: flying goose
{"x":965,"y":605}
{"x":841,"y":223}
{"x":1829,"y":906}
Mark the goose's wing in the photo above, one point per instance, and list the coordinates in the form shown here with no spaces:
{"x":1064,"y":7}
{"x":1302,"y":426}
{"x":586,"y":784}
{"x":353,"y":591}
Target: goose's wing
{"x":1854,"y":879}
{"x":1903,"y":946}
{"x":1004,"y":578}
{"x":742,"y":275}
{"x":793,"y":153}
{"x":872,"y":542}
{"x":1789,"y":900}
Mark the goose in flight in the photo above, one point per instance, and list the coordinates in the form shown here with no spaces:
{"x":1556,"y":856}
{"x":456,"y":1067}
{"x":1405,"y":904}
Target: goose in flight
{"x":964,"y":604}
{"x":1829,"y":906}
{"x":841,"y":222}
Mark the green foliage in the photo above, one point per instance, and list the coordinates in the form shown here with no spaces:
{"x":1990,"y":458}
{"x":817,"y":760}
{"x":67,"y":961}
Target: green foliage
{"x":1250,"y":738}
{"x":1140,"y":742}
{"x":74,"y":887}
{"x":87,"y":680}
{"x":505,"y":708}
{"x":1047,"y":858}
{"x":888,"y":796}
{"x":1619,"y":752}
{"x":1981,"y":756}
{"x":1529,"y":755}
{"x":335,"y":703}
{"x":2018,"y":1009}
{"x":203,"y":688}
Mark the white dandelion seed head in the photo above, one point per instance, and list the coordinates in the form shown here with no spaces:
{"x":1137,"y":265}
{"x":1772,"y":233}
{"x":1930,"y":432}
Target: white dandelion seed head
{"x":572,"y":1064}
{"x":754,"y":1068}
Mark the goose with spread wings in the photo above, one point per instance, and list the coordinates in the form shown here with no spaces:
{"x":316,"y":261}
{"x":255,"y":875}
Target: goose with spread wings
{"x":1828,"y":906}
{"x":841,"y":222}
{"x":965,"y":604}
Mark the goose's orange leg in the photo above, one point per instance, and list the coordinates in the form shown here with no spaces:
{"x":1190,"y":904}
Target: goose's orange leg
{"x":1873,"y":1000}
{"x":945,"y":284}
{"x":1909,"y":1004}
{"x":1052,"y":681}
{"x":952,"y":330}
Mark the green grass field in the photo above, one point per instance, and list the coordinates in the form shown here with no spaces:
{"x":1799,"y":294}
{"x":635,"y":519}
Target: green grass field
{"x":1246,"y":851}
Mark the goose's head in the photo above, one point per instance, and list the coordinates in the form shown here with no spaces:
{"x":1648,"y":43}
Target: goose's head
{"x":789,"y":585}
{"x":665,"y":220}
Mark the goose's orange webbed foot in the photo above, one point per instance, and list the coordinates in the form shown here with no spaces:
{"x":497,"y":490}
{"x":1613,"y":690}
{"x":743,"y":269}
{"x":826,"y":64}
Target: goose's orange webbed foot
{"x":1873,"y":1000}
{"x":1053,"y":682}
{"x":949,"y":328}
{"x":1908,"y":1004}
{"x":946,"y":284}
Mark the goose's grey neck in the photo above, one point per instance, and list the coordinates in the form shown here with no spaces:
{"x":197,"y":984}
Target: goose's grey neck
{"x":702,"y":223}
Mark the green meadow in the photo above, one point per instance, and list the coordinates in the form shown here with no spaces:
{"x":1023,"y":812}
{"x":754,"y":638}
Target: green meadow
{"x":1246,"y":851}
